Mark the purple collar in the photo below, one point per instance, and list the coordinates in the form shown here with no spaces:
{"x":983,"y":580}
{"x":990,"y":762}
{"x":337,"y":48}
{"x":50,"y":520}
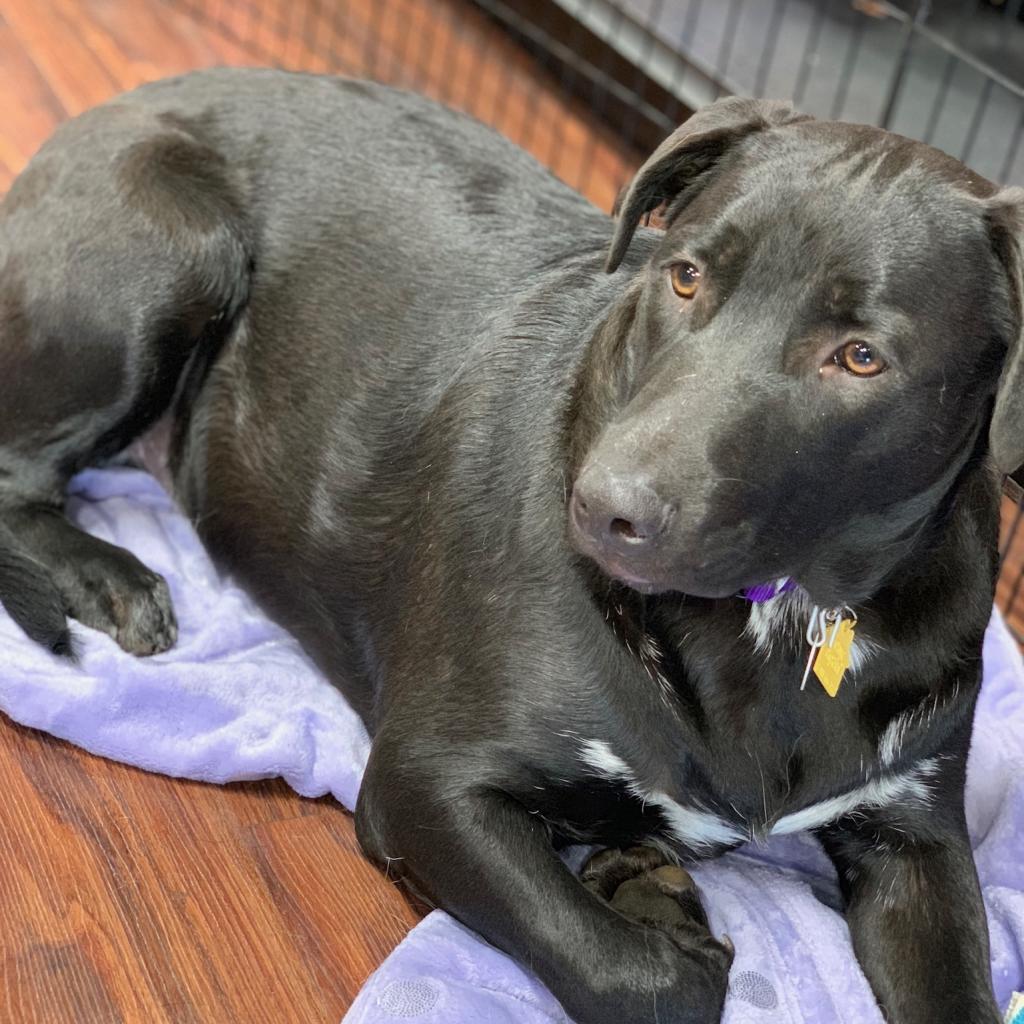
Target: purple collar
{"x":766,"y":591}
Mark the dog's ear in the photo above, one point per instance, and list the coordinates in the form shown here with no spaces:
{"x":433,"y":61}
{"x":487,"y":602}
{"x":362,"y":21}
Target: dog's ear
{"x":688,"y":152}
{"x":1006,"y":432}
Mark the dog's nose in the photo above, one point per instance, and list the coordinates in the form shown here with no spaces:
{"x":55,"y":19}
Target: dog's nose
{"x":619,"y":513}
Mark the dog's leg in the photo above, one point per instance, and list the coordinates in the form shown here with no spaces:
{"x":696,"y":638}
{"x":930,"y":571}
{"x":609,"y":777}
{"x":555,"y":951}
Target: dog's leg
{"x":641,"y":958}
{"x":102,"y":586}
{"x":124,"y":261}
{"x":915,"y":913}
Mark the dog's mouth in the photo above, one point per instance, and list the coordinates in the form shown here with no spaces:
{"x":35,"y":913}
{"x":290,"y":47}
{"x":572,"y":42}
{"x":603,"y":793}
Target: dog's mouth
{"x":642,"y":553}
{"x":643,"y":584}
{"x":692,"y":586}
{"x":653,"y":579}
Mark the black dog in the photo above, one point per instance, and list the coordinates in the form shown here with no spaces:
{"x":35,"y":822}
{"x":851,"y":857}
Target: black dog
{"x":507,"y":488}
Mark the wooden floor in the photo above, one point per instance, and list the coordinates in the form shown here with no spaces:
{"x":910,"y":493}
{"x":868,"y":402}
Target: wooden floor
{"x":60,"y":57}
{"x":129,"y":897}
{"x":132,"y":898}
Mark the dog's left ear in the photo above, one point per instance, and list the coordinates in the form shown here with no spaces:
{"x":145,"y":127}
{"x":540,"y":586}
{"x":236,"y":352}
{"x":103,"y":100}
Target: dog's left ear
{"x":688,"y":152}
{"x":1006,"y":431}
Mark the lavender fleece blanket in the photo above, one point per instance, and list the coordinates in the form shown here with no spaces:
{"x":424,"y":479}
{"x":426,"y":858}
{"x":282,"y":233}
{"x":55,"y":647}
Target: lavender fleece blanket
{"x":237,"y":699}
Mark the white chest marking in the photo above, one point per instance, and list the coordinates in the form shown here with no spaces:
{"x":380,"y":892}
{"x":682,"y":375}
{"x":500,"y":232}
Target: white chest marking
{"x":891,"y":743}
{"x":890,"y":746}
{"x":701,"y":829}
{"x":698,"y":829}
{"x":782,"y":619}
{"x":909,"y":785}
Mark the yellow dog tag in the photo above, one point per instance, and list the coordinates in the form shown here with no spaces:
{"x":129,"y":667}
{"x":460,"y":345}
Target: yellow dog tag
{"x":833,"y":658}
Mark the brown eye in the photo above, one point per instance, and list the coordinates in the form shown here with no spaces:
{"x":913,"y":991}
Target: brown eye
{"x":685,"y":279}
{"x":858,"y":358}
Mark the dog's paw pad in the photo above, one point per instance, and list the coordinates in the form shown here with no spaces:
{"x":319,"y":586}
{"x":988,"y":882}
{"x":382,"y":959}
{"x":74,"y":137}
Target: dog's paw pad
{"x":642,"y":885}
{"x":672,"y":880}
{"x":608,"y":869}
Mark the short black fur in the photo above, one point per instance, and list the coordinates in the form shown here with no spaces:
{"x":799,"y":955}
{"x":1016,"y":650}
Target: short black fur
{"x":404,"y":392}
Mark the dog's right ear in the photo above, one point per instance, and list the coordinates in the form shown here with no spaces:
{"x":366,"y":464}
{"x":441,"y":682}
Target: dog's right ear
{"x":688,"y":152}
{"x":1006,"y":431}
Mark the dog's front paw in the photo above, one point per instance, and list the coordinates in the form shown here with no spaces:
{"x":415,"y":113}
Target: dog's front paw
{"x":118,"y":595}
{"x":644,"y":886}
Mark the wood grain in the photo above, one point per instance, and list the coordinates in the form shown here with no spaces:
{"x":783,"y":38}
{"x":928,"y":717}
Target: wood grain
{"x":59,"y":57}
{"x":132,"y":897}
{"x":129,"y":898}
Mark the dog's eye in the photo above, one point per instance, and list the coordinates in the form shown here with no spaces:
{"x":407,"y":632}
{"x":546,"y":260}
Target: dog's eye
{"x":858,"y":358}
{"x":685,"y":279}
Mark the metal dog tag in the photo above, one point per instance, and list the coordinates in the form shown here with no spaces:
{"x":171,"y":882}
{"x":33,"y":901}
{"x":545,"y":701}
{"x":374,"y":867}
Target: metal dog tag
{"x":834,"y":658}
{"x":830,"y":637}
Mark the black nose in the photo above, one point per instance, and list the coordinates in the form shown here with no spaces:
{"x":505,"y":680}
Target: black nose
{"x":619,"y":513}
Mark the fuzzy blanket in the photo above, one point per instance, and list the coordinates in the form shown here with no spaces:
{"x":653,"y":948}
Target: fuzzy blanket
{"x":237,"y":699}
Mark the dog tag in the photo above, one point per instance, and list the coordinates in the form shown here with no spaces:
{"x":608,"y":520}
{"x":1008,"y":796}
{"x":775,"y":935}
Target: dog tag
{"x":833,"y":657}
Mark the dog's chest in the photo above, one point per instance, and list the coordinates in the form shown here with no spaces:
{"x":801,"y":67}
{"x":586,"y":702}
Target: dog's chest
{"x":752,"y":753}
{"x":758,"y":801}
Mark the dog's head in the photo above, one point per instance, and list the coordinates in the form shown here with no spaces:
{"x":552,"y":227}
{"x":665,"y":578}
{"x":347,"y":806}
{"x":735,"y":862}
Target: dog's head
{"x":828,"y":331}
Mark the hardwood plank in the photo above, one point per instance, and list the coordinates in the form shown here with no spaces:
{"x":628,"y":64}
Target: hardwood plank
{"x":77,"y":77}
{"x":132,"y":897}
{"x":31,"y":110}
{"x":185,"y":44}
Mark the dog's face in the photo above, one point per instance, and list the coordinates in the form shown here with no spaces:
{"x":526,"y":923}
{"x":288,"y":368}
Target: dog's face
{"x":813,"y":359}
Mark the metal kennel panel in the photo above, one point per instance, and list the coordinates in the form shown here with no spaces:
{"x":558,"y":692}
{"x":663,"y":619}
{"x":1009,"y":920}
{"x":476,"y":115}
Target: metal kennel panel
{"x":590,"y":86}
{"x":950,"y":73}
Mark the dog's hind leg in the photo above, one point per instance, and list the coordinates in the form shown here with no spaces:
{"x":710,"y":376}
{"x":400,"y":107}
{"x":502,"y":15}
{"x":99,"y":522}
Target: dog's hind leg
{"x":124,"y":259}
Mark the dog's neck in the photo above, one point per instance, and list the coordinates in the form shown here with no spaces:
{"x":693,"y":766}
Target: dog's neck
{"x":952,"y":562}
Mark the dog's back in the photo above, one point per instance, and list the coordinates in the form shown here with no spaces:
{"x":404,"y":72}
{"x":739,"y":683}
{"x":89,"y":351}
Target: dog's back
{"x":349,"y":258}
